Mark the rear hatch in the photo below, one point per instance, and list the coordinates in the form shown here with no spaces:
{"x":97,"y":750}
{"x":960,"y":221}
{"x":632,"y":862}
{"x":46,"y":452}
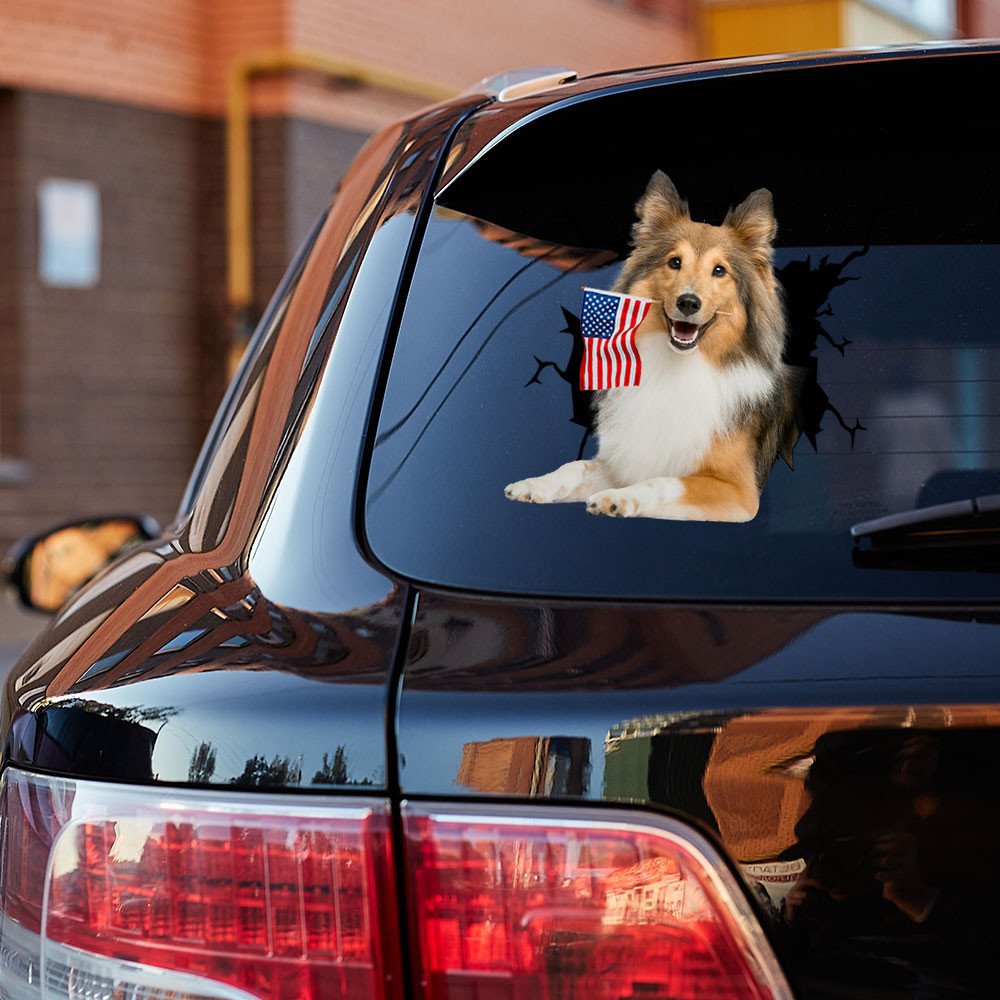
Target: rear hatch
{"x":823,"y":705}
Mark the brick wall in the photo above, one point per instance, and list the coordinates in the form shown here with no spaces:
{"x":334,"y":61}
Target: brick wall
{"x":296,"y":164}
{"x":174,"y":54}
{"x":979,"y":18}
{"x":9,"y":290}
{"x":105,"y":393}
{"x":109,"y":407}
{"x":137,"y":51}
{"x":211,"y":266}
{"x":455,"y":42}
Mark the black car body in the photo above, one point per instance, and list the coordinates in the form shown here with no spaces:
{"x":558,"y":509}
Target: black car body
{"x":349,"y":633}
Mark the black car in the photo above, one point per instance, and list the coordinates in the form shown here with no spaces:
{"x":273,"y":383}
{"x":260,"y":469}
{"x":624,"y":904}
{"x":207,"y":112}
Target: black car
{"x":357,"y":726}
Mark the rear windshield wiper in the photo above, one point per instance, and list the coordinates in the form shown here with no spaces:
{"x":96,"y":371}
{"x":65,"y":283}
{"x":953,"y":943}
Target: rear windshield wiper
{"x":963,"y":534}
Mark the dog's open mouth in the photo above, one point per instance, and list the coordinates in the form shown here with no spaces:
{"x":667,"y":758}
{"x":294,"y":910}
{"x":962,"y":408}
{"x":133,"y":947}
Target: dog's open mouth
{"x":685,"y":336}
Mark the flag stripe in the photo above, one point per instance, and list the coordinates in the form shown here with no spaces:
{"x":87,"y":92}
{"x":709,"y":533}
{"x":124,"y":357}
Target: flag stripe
{"x":625,"y":310}
{"x":628,"y":344}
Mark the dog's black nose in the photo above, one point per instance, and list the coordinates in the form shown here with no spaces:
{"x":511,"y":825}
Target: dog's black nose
{"x":688,"y":304}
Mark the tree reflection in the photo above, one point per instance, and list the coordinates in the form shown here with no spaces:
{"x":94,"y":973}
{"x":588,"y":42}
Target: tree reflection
{"x":280,"y":772}
{"x":283,"y":772}
{"x":137,"y":715}
{"x":334,"y":772}
{"x":202,"y":766}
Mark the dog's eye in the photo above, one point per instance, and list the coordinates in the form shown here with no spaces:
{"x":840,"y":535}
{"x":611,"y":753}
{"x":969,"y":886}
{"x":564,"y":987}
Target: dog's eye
{"x":718,"y":271}
{"x":674,"y":263}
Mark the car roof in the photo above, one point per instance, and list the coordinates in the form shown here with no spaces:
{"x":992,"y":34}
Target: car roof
{"x":493,"y":121}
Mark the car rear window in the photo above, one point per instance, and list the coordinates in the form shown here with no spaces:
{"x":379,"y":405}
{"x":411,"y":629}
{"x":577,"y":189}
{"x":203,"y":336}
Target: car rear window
{"x":886,"y":251}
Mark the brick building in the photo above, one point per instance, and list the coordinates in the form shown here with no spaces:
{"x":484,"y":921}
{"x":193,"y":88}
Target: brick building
{"x":106,"y":385}
{"x":107,"y":382}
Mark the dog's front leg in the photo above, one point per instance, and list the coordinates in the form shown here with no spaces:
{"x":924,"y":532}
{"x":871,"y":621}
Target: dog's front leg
{"x":690,"y":498}
{"x":572,"y":481}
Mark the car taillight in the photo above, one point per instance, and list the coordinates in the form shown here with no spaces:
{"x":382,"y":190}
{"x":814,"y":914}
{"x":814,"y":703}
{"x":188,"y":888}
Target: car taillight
{"x":108,"y":891}
{"x":142,"y":893}
{"x":557,"y":904}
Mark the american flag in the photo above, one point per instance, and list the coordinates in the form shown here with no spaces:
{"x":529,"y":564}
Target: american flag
{"x":608,"y":325}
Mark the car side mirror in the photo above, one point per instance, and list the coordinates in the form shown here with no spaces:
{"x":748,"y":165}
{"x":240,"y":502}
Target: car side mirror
{"x":47,"y":569}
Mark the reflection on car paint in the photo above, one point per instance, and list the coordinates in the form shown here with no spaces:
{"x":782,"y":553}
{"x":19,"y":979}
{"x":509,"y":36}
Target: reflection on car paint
{"x":172,"y":730}
{"x":849,"y":824}
{"x":527,"y":765}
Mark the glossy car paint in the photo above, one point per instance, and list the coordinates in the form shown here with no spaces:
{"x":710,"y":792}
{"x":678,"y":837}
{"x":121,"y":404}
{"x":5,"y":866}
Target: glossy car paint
{"x":175,"y":649}
{"x":251,"y":646}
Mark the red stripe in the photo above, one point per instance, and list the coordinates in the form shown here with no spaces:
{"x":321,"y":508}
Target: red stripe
{"x":633,"y":344}
{"x":624,"y":315}
{"x":628,"y":314}
{"x":633,"y":359}
{"x":627,"y":342}
{"x":638,"y":357}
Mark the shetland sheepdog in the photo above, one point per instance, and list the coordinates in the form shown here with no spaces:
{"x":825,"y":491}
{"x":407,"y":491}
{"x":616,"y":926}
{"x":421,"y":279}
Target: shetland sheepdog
{"x":696,"y":439}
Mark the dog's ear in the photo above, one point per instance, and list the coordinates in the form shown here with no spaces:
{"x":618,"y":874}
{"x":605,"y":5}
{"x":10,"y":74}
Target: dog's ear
{"x":660,"y":206}
{"x":754,"y":223}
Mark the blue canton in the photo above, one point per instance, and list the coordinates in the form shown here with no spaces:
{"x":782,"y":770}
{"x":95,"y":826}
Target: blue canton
{"x":599,"y":312}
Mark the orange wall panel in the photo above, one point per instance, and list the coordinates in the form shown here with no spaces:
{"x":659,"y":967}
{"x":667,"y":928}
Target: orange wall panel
{"x":762,"y":26}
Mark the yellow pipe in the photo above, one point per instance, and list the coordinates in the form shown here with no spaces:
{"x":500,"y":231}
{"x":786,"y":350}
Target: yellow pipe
{"x":239,"y":263}
{"x":239,"y":223}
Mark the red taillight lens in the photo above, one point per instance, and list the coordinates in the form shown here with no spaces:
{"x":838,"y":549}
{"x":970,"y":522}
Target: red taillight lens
{"x":235,"y":895}
{"x":112,"y":891}
{"x":556,"y":906}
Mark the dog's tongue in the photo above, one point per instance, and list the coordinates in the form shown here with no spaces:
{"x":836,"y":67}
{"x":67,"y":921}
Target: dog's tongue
{"x":685,"y":332}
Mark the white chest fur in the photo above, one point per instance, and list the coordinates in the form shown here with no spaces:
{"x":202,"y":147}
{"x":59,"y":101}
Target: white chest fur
{"x":665,"y":425}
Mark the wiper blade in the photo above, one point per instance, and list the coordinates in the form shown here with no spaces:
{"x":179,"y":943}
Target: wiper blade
{"x":957,"y":522}
{"x":962,"y":535}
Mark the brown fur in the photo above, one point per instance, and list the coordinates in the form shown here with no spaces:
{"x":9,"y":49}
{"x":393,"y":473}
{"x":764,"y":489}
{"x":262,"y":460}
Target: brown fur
{"x":726,"y":480}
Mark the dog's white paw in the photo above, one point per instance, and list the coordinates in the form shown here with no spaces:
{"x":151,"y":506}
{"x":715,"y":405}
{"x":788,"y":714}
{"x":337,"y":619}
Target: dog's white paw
{"x":521,"y":490}
{"x":614,"y":503}
{"x":531,"y":491}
